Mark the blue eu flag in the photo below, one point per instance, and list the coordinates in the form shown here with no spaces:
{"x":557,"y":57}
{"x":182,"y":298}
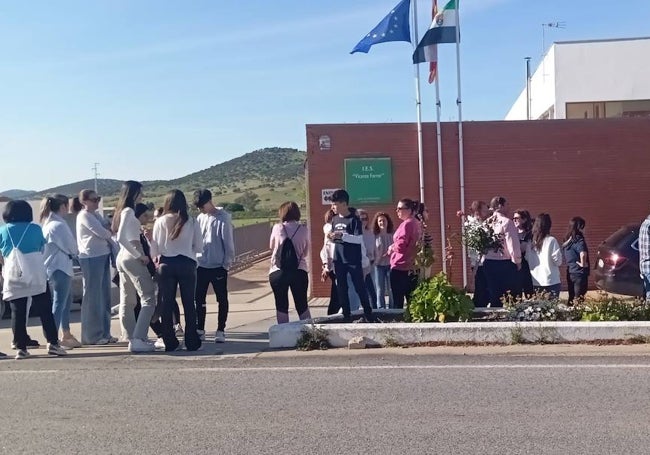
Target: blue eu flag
{"x":394,"y":27}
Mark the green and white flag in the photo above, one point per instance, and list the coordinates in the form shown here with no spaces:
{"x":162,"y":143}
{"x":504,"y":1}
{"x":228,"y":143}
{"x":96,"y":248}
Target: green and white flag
{"x":442,"y":30}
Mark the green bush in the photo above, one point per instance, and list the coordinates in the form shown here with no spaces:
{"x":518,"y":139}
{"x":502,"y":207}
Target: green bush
{"x":606,"y":307}
{"x":436,"y":300}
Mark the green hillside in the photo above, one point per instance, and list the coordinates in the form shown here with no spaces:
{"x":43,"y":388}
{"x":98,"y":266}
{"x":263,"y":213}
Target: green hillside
{"x":259,"y":180}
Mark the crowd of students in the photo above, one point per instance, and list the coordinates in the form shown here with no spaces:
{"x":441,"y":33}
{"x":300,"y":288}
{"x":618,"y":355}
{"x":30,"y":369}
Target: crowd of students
{"x":529,"y":258}
{"x":369,"y":263}
{"x":180,"y":252}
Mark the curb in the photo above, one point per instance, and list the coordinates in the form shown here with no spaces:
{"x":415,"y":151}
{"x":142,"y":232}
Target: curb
{"x":286,"y":335}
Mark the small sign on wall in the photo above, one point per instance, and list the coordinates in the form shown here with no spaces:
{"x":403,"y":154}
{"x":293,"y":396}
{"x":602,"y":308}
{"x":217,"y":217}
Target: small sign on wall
{"x":326,"y":196}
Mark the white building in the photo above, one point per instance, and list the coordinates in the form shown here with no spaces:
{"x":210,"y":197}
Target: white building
{"x":589,"y":79}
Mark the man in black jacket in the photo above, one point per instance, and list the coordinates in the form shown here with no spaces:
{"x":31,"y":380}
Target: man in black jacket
{"x":347,"y":235}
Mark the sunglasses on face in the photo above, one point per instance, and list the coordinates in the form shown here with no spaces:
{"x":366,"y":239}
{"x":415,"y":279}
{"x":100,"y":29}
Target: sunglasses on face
{"x":94,"y":199}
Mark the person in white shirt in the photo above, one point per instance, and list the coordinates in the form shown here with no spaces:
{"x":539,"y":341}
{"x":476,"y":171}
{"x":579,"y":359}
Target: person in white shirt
{"x":214,"y":261}
{"x":60,"y":252}
{"x":544,"y":256}
{"x":176,"y":242}
{"x":135,"y":279}
{"x":94,"y":244}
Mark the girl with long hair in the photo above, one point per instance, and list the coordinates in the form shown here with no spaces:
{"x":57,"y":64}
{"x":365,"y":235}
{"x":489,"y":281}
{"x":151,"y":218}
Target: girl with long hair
{"x":177,"y":239}
{"x":544,"y":257}
{"x":382,"y":228}
{"x":60,"y":252}
{"x":524,"y":225}
{"x":135,"y":279}
{"x":576,"y":256}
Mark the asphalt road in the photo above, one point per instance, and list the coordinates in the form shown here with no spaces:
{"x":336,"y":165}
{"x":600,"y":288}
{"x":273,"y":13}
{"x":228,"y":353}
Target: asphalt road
{"x":327,"y":404}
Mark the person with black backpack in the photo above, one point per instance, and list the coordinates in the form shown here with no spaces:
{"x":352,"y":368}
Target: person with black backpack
{"x":289,"y":243}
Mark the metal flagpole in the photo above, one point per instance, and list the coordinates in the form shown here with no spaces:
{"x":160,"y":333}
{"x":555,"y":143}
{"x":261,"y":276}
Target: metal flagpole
{"x":418,"y":102}
{"x":461,"y":159}
{"x":443,"y":234}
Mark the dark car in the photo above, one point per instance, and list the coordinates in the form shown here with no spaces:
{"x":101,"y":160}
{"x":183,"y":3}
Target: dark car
{"x":617,"y":265}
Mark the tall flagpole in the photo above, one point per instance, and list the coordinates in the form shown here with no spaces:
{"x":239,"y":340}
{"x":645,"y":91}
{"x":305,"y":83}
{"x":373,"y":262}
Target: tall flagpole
{"x":461,"y":158}
{"x":443,"y":234}
{"x":418,"y":103}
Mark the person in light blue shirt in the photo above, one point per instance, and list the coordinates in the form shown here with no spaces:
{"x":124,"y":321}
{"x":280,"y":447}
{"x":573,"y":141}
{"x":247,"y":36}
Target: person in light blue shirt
{"x":60,"y":252}
{"x":19,"y":232}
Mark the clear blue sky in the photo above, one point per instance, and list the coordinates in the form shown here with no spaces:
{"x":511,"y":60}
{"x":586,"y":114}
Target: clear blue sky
{"x":161,"y":88}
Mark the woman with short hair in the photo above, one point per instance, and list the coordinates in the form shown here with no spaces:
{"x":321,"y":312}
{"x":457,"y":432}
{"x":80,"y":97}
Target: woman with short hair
{"x":28,"y":279}
{"x":60,"y":252}
{"x":283,"y":276}
{"x":544,"y":257}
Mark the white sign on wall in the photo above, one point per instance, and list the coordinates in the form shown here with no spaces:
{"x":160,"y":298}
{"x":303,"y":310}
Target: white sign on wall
{"x":326,"y":196}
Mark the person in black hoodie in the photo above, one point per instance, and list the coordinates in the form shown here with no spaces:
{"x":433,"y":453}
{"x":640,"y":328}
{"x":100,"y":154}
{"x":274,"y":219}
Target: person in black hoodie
{"x":576,"y":256}
{"x":347,"y":235}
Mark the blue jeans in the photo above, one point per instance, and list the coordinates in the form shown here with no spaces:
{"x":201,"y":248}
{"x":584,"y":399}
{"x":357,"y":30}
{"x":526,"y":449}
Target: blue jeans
{"x":382,"y":274}
{"x":61,"y":287}
{"x":646,"y":285}
{"x":96,"y":303}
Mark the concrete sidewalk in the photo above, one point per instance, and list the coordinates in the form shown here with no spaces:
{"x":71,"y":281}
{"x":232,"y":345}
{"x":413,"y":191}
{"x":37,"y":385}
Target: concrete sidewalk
{"x":252,"y":312}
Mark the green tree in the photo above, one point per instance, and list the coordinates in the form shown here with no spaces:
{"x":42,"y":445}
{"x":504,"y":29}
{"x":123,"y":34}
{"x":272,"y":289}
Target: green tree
{"x":249,"y":200}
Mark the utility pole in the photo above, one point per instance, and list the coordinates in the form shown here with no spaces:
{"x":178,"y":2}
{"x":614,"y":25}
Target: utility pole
{"x":95,"y":169}
{"x":527,"y":87}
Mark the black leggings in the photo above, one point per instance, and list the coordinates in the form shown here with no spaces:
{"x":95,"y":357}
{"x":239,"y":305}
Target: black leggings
{"x":402,"y":283}
{"x":43,"y":305}
{"x":298,"y":281}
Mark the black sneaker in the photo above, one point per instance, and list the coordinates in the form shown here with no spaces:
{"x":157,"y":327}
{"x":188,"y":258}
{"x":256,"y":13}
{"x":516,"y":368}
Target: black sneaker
{"x":30,"y":344}
{"x":2,"y":355}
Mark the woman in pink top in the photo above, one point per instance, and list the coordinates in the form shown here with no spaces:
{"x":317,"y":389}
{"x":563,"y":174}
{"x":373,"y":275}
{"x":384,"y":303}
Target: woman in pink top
{"x":286,"y":271}
{"x":501,"y":266}
{"x":403,"y":272}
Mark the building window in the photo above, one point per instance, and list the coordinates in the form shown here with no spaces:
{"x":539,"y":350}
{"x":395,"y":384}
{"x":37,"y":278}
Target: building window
{"x":608,"y":109}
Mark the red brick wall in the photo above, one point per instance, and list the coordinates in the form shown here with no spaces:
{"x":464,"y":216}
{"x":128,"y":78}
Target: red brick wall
{"x":597,"y":169}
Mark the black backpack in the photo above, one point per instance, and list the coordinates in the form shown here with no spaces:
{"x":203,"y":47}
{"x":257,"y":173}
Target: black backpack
{"x":287,"y":258}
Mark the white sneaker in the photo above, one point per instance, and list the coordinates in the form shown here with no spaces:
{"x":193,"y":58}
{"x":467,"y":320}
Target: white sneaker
{"x":201,"y":334}
{"x":55,"y":349}
{"x":220,"y":337}
{"x":159,"y":344}
{"x":179,"y":330}
{"x":137,"y":345}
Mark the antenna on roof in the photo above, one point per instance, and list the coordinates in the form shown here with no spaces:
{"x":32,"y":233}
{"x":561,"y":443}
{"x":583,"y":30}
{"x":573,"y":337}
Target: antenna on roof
{"x":557,"y":24}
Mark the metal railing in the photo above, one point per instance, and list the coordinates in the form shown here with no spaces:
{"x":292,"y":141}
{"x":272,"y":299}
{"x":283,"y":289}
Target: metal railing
{"x":251,"y":244}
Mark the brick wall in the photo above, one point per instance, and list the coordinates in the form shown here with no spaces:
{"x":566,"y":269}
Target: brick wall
{"x":597,"y":169}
